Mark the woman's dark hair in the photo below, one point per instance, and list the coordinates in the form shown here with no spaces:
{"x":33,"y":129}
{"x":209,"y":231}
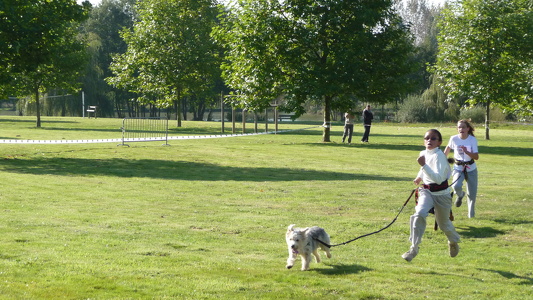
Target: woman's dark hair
{"x":435,"y":131}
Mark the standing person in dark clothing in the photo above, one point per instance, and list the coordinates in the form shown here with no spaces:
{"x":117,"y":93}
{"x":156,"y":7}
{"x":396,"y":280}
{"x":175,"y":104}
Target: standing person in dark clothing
{"x":367,"y":122}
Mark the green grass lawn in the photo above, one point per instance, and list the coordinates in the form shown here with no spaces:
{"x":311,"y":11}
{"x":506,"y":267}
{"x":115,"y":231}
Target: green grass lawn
{"x":206,"y":218}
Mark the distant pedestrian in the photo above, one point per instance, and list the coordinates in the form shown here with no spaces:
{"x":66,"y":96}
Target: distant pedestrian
{"x":465,"y":153}
{"x":367,"y":122}
{"x":348,"y":127}
{"x":435,"y":193}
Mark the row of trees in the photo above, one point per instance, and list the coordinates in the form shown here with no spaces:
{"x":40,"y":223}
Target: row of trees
{"x":180,"y":55}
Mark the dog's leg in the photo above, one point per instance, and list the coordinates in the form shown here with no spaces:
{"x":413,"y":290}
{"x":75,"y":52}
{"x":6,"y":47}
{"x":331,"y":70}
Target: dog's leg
{"x":317,"y":255}
{"x":291,"y":259}
{"x":328,"y":253}
{"x":326,"y":249}
{"x":306,"y":259}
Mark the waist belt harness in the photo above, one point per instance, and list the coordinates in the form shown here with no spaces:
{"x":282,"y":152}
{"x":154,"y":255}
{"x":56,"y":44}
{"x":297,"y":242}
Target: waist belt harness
{"x":465,"y":165}
{"x":435,"y":187}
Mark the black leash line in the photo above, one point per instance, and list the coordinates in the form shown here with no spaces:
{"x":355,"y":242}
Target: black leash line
{"x":365,"y":235}
{"x":394,"y":220}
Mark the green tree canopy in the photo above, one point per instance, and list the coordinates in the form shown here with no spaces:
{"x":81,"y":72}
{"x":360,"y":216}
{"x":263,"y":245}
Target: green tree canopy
{"x":170,"y":51}
{"x":324,"y":50}
{"x":103,"y":33}
{"x":40,"y":46}
{"x":485,"y":53}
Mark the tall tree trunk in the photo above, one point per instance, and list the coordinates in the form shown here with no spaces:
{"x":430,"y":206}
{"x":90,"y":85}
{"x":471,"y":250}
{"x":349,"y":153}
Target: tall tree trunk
{"x":117,"y":108}
{"x":184,"y":107}
{"x":487,"y":121}
{"x":178,"y":112}
{"x":327,"y":119}
{"x":37,"y":106}
{"x":129,"y":108}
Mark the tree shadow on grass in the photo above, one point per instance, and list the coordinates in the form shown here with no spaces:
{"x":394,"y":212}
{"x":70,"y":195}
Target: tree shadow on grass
{"x":336,"y":269}
{"x":510,"y":151}
{"x":510,"y":275}
{"x":481,"y":232}
{"x":392,"y":147}
{"x":117,"y":130}
{"x":513,"y":221}
{"x":29,"y":121}
{"x":174,"y":170}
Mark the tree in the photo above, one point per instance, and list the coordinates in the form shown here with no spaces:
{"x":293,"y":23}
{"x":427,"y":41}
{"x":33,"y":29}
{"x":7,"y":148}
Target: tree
{"x":170,"y":52}
{"x":42,"y":46}
{"x":420,"y":15}
{"x":326,"y":51}
{"x":485,"y":52}
{"x":103,"y":33}
{"x":422,"y":20}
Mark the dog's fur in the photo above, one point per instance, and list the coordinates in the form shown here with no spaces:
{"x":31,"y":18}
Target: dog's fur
{"x":303,"y":242}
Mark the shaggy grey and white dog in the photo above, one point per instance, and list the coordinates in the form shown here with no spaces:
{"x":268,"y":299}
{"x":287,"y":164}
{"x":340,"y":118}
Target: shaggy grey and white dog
{"x":303,"y":242}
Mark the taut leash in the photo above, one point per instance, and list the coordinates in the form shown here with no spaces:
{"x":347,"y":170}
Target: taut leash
{"x":365,"y":235}
{"x":415,"y":190}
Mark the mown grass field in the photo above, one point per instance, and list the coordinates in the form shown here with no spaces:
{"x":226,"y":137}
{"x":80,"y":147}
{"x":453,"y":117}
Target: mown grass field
{"x":206,"y":218}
